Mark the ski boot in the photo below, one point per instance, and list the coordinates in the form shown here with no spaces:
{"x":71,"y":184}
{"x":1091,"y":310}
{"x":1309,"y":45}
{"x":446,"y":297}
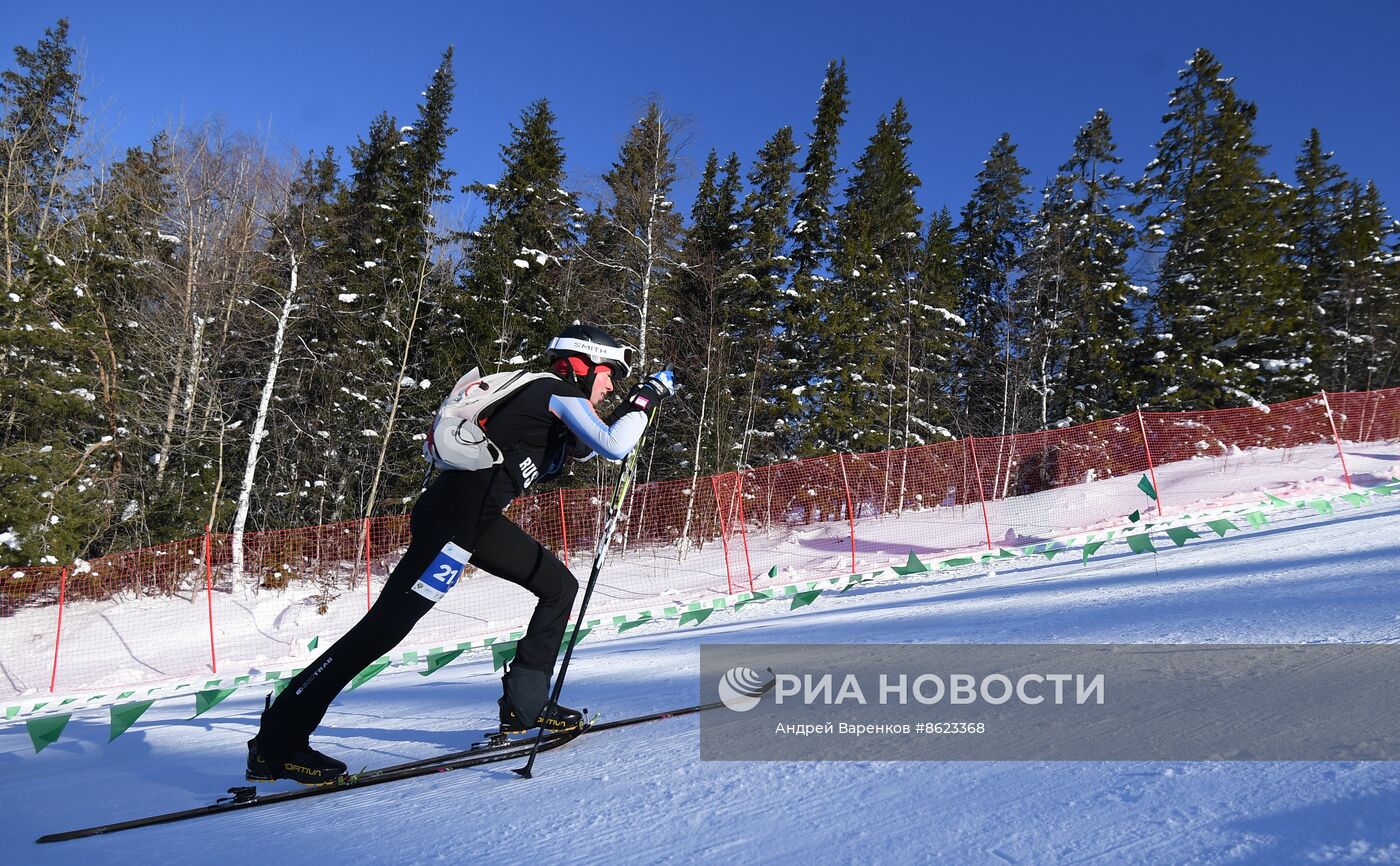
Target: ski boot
{"x":306,"y":766}
{"x":553,"y":718}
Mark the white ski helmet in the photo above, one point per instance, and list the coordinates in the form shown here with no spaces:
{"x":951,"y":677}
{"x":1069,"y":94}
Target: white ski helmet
{"x":580,"y":350}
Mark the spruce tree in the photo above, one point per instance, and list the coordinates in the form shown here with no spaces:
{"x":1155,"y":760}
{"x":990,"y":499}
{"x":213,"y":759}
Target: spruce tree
{"x":633,"y":242}
{"x":512,"y":297}
{"x":990,"y":236}
{"x":1360,"y":306}
{"x":1077,"y":319}
{"x":42,"y":116}
{"x":936,"y":335}
{"x":798,"y":366}
{"x":124,"y":264}
{"x":57,"y":454}
{"x":388,"y":272}
{"x":1233,"y":324}
{"x":1314,"y":222}
{"x":420,"y":277}
{"x":357,"y":344}
{"x":867,"y":328}
{"x":763,"y":296}
{"x":701,"y":336}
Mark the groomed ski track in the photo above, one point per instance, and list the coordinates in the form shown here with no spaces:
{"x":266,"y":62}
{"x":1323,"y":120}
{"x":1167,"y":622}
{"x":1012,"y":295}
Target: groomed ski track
{"x":642,"y":795}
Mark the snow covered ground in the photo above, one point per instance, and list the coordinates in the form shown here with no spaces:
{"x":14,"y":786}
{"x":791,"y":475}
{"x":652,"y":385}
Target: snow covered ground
{"x":642,"y":795}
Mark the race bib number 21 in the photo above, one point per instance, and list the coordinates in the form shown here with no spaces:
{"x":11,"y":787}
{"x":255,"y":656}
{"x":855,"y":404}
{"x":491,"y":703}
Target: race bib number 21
{"x":444,"y":572}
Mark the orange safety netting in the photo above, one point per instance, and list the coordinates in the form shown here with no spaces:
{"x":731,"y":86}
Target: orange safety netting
{"x":187,"y":609}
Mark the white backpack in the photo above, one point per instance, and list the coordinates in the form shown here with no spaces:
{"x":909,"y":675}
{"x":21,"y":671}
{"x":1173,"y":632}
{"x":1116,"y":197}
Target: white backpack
{"x":457,"y":439}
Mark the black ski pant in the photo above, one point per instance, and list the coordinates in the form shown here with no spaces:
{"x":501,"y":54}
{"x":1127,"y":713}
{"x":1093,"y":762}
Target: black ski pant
{"x":461,"y":507}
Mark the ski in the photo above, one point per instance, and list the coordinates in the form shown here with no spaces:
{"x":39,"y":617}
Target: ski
{"x":495,"y":744}
{"x":247,"y":797}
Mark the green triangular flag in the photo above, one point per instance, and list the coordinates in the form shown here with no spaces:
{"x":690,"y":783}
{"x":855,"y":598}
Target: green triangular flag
{"x":696,"y":616}
{"x":1092,"y":548}
{"x":1257,"y":519}
{"x":1181,"y":534}
{"x":1356,"y":499}
{"x":438,"y":659}
{"x":1003,"y":553}
{"x":1141,"y":544}
{"x":1135,"y":517}
{"x":643,"y":620}
{"x":278,"y":687}
{"x":1220,"y":527}
{"x":206,"y":700}
{"x":1383,"y":490}
{"x":857,"y":580}
{"x":1146,"y":487}
{"x":44,"y":732}
{"x":760,"y":595}
{"x":368,"y":673}
{"x":315,"y":642}
{"x":125,"y":715}
{"x":11,"y":712}
{"x":502,"y":654}
{"x":773,"y":573}
{"x":1321,"y":506}
{"x":564,"y":644}
{"x":802,"y":599}
{"x":957,"y":561}
{"x":912,"y":566}
{"x":1278,"y":503}
{"x":1052,"y":549}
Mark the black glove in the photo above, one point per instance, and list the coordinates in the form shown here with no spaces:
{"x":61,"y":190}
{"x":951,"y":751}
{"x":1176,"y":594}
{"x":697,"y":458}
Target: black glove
{"x":648,"y":394}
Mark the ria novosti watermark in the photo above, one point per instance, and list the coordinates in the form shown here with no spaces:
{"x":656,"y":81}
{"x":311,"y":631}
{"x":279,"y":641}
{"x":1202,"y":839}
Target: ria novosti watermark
{"x":1052,"y":702}
{"x":930,"y":689}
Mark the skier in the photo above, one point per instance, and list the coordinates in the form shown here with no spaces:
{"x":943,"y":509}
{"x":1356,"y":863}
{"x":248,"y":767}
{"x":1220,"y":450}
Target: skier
{"x":458,"y":519}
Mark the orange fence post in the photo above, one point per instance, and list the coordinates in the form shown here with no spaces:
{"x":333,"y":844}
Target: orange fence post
{"x":1142,"y":426}
{"x":209,"y":596}
{"x":977,"y":473}
{"x":58,"y":633}
{"x":1327,"y":405}
{"x":563,"y":527}
{"x":368,"y":600}
{"x":850,"y":509}
{"x":723,"y":536}
{"x":743,"y":530}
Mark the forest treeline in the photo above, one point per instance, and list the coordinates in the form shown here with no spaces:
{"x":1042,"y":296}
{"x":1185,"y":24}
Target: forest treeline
{"x":202,"y":333}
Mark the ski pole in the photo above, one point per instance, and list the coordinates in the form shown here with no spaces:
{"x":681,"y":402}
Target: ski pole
{"x":624,"y":483}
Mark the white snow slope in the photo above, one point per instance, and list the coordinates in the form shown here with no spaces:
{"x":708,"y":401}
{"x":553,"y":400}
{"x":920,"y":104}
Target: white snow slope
{"x":642,"y":794}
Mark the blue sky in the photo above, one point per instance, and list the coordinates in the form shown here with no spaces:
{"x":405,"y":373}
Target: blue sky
{"x":308,"y":74}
